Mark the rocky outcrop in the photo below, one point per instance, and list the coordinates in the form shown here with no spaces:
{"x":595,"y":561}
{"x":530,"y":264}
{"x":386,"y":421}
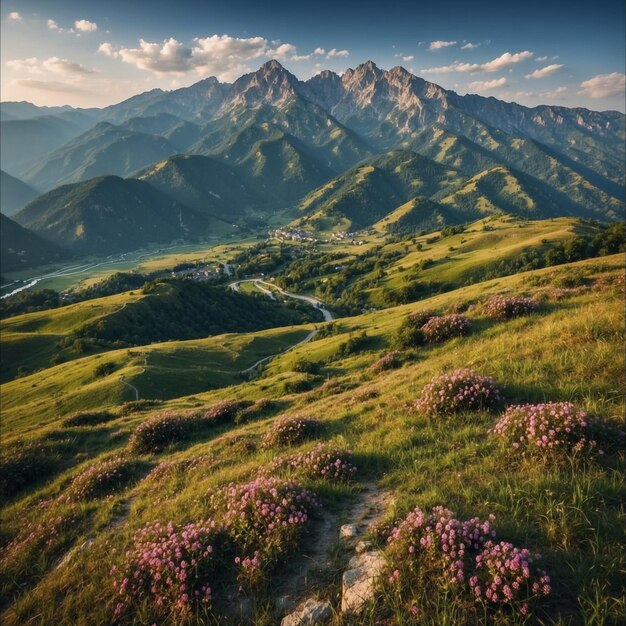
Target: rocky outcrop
{"x":359,"y":582}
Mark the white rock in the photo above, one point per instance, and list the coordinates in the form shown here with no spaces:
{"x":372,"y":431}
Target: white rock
{"x":312,"y":612}
{"x":363,"y":546}
{"x":359,"y":582}
{"x":348,"y":531}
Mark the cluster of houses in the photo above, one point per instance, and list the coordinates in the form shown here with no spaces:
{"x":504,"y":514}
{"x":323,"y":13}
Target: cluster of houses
{"x":292,"y":234}
{"x":200,"y":273}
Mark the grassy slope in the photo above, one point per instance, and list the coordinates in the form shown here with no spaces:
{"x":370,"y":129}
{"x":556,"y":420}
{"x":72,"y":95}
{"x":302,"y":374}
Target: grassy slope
{"x":571,"y":514}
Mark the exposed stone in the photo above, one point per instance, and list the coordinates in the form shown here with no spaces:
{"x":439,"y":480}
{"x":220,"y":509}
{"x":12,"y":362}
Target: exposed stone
{"x":74,"y":551}
{"x":359,"y":582}
{"x":283,"y":604}
{"x":312,"y":612}
{"x":348,"y":531}
{"x":363,"y":546}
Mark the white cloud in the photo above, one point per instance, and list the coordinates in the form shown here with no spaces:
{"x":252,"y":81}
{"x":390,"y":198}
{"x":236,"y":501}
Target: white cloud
{"x":337,"y":53}
{"x":14,"y":16}
{"x":470,"y":46}
{"x":548,"y":70}
{"x":486,"y":85}
{"x":107,"y":49}
{"x":85,"y":26}
{"x":438,"y":45}
{"x":33,"y":65}
{"x":52,"y":25}
{"x":540,"y":59}
{"x":319,"y":51}
{"x":604,"y":85}
{"x":284,"y":51}
{"x":545,"y":71}
{"x":503,"y":61}
{"x":51,"y":85}
{"x":555,"y":94}
{"x":408,"y":58}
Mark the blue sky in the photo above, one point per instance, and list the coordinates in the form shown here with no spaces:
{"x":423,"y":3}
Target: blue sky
{"x":97,"y":53}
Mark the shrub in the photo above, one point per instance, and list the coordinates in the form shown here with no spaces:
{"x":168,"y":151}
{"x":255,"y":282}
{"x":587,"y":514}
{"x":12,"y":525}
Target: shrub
{"x":89,"y":418}
{"x":264,"y":518}
{"x":101,"y":479}
{"x":225,"y":411}
{"x":304,"y":366}
{"x":444,"y":327}
{"x":390,"y":361}
{"x":553,"y":426}
{"x":440,"y":551}
{"x":168,"y":469}
{"x":24,"y":463}
{"x":104,"y":369}
{"x":135,"y":406}
{"x":171,"y":569}
{"x":324,"y":461}
{"x":503,"y":308}
{"x":298,"y":385}
{"x":409,"y":333}
{"x":462,"y":390}
{"x":159,"y":431}
{"x":288,"y":431}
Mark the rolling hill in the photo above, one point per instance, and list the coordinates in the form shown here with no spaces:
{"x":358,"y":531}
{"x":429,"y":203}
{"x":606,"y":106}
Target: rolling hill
{"x":14,"y":193}
{"x":20,"y":248}
{"x":109,"y":215}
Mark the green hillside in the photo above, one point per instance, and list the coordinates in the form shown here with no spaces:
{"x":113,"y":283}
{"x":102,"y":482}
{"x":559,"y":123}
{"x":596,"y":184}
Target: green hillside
{"x":20,"y":248}
{"x":14,"y":193}
{"x":563,"y":506}
{"x":110,"y":214}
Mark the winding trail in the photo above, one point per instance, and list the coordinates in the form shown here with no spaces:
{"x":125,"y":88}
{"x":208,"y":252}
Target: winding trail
{"x":267,"y":290}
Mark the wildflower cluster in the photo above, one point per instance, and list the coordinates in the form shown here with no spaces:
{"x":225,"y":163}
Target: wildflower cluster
{"x":225,"y":411}
{"x":264,"y":519}
{"x":173,"y":567}
{"x":89,"y":418}
{"x":550,"y":426}
{"x":462,"y":390}
{"x":288,"y":431}
{"x":101,"y":479}
{"x":444,"y":327}
{"x":323,"y":461}
{"x":159,"y":431}
{"x":390,"y":361}
{"x":503,"y":308}
{"x":440,"y":549}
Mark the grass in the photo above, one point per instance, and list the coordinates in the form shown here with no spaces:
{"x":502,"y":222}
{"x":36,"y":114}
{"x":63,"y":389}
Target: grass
{"x":569,"y":510}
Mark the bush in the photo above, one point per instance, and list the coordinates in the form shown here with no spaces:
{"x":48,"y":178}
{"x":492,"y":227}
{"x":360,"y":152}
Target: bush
{"x":101,"y":479}
{"x":503,"y":308}
{"x":325,"y":461}
{"x":265,"y":518}
{"x":304,"y":366}
{"x":23,"y":464}
{"x":298,"y":385}
{"x":104,"y":369}
{"x":462,"y":390}
{"x":288,"y":431}
{"x":159,"y":431}
{"x":553,"y":427}
{"x":444,"y":327}
{"x":171,"y":570}
{"x":225,"y":411}
{"x":136,"y":406}
{"x":390,"y":361}
{"x":89,"y":418}
{"x":439,"y":551}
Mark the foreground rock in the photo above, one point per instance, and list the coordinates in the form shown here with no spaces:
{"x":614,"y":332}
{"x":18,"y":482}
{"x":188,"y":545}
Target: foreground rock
{"x":312,"y":612}
{"x":359,"y":582}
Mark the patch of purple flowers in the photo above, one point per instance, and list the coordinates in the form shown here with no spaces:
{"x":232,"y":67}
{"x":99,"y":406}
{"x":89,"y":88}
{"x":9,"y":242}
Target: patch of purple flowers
{"x":440,"y":328}
{"x":462,"y":390}
{"x":324,"y":461}
{"x":291,"y":430}
{"x":551,"y":426}
{"x":438,"y":548}
{"x":505,"y":308}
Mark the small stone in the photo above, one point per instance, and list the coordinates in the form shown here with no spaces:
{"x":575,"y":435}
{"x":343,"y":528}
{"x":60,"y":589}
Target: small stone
{"x":363,"y":546}
{"x":312,"y":612}
{"x":74,"y":551}
{"x":348,"y":531}
{"x":359,"y":582}
{"x":284,"y":604}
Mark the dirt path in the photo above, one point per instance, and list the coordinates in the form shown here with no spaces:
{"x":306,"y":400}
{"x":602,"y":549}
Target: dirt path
{"x":300,"y":576}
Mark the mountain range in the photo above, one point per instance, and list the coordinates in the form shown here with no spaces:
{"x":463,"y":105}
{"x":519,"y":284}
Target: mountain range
{"x":333,"y":152}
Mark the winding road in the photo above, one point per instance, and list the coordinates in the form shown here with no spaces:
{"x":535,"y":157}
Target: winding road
{"x":314,"y":302}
